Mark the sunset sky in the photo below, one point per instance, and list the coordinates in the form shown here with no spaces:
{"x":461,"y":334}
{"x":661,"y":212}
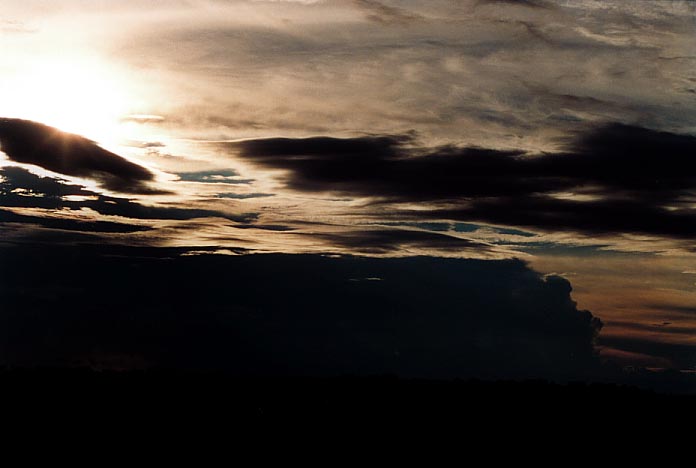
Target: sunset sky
{"x":552,"y":142}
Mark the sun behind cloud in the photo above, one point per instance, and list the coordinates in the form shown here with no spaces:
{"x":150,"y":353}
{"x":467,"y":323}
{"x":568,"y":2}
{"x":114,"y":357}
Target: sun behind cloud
{"x":77,"y":94}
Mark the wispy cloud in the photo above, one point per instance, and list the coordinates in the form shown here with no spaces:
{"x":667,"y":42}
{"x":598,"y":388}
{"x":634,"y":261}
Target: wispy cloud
{"x":383,"y":13}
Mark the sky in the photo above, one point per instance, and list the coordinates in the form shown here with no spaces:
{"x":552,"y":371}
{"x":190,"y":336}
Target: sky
{"x":547,"y":146}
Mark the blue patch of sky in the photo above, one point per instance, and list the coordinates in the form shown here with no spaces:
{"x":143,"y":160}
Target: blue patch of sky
{"x":226,"y":176}
{"x":244,"y":196}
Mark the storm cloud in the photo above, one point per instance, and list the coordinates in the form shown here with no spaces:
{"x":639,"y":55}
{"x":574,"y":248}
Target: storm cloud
{"x":291,"y":314}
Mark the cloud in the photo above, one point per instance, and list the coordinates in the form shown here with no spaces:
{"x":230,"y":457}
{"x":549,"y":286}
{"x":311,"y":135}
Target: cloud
{"x":376,"y":166}
{"x":494,"y":73}
{"x":21,"y":189}
{"x":15,"y":27}
{"x":292,"y":314}
{"x":244,"y":196}
{"x":34,"y":143}
{"x":663,"y":327}
{"x":47,"y":190}
{"x":612,"y":179}
{"x":678,"y":309}
{"x":221,"y":176}
{"x":35,"y":205}
{"x":683,"y":356}
{"x":62,"y":224}
{"x":386,"y":14}
{"x":521,"y":3}
{"x":385,"y":241}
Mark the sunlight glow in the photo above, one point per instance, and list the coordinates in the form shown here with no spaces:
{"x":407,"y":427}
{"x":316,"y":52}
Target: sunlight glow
{"x":80,"y":95}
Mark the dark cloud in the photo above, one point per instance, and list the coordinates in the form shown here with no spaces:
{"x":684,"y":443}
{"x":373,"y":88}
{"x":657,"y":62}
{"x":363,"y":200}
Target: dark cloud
{"x":381,"y":167}
{"x":384,"y":241}
{"x":318,"y":147}
{"x":149,"y":145}
{"x":523,"y":3}
{"x":615,"y":178}
{"x":131,"y":209}
{"x":292,"y":314}
{"x":19,"y":188}
{"x":34,"y":143}
{"x":533,"y":30}
{"x":35,"y":235}
{"x":244,"y":196}
{"x":682,"y":356}
{"x":387,"y":14}
{"x":664,"y":327}
{"x":143,"y":118}
{"x":679,"y":309}
{"x":69,"y":224}
{"x":602,"y":216}
{"x":629,"y":157}
{"x":47,"y":191}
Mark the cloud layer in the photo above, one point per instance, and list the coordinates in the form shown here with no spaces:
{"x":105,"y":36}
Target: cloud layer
{"x":613,"y":179}
{"x":31,"y":201}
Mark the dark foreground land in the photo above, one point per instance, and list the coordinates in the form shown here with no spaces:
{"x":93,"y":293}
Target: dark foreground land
{"x":158,"y":397}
